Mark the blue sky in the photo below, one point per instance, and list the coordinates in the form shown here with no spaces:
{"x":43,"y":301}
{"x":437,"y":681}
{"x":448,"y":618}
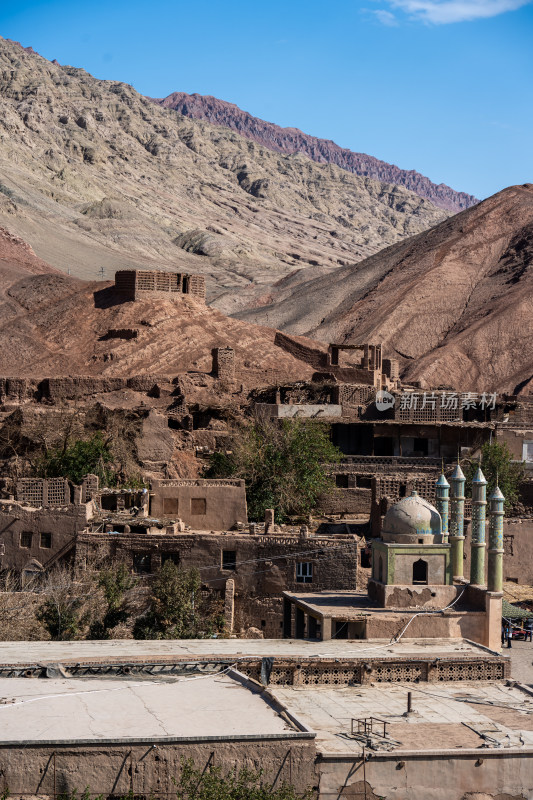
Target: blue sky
{"x":441,"y":86}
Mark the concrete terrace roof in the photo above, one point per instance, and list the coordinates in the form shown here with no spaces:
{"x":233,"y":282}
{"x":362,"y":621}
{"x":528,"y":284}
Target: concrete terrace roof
{"x":357,"y":605}
{"x":55,"y":710}
{"x":502,"y":713}
{"x":131,"y":650}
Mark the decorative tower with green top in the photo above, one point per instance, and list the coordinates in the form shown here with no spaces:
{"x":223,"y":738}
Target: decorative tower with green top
{"x":442,"y":505}
{"x":495,"y":571}
{"x":477,"y":544}
{"x":457,"y":518}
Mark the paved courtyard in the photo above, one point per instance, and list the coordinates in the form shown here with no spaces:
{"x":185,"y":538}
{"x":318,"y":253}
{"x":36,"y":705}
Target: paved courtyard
{"x":522,"y":660}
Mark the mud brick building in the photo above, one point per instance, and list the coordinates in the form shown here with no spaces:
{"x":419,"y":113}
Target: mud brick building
{"x":136,"y":284}
{"x":416,"y":719}
{"x":202,"y":504}
{"x":249,"y":571}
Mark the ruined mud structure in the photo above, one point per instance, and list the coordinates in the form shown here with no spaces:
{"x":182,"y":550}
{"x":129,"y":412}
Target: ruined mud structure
{"x":137,"y":284}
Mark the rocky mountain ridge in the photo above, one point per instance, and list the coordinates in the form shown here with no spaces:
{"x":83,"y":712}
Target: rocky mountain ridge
{"x":323,"y":151}
{"x":97,"y":178}
{"x":454,"y":304}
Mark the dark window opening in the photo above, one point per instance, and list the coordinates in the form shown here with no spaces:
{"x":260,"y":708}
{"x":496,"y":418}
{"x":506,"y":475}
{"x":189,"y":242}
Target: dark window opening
{"x":142,"y":563}
{"x":108,"y":502}
{"x":46,"y":540}
{"x":198,"y":506}
{"x":366,"y":558}
{"x":420,"y":446}
{"x":170,"y":505}
{"x":173,"y":557}
{"x":384,"y":446}
{"x":138,"y":529}
{"x":341,"y":481}
{"x":420,"y":571}
{"x":313,"y":628}
{"x":364,"y":482}
{"x":263,"y":623}
{"x":304,"y":572}
{"x":229,"y":559}
{"x":26,"y":539}
{"x":380,"y":570}
{"x":403,"y":490}
{"x":341,"y":629}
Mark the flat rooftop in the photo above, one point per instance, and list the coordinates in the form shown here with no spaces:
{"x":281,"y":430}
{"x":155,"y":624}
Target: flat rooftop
{"x":120,"y":650}
{"x":447,"y":716}
{"x":350,"y":606}
{"x":55,"y":710}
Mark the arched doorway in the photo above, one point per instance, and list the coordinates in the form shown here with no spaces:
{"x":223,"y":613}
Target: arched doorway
{"x":420,"y":571}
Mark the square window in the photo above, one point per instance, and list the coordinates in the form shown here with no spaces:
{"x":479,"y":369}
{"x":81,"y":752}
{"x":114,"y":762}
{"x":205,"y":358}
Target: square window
{"x":142,"y":563}
{"x":46,"y":540}
{"x":198,"y":506}
{"x":341,"y":481}
{"x":304,"y":572}
{"x":26,"y":539}
{"x":229,"y":559}
{"x":170,"y":505}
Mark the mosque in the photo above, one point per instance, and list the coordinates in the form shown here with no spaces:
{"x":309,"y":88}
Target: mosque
{"x":417,"y":587}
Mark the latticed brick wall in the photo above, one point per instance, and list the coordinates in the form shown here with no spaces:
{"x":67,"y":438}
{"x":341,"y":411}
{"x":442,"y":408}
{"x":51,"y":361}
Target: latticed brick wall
{"x":43,"y":491}
{"x":134,"y":283}
{"x":224,"y":363}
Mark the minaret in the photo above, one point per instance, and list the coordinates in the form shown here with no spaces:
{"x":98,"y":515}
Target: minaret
{"x":457,"y":514}
{"x":495,"y":573}
{"x":477,"y":545}
{"x":443,"y":501}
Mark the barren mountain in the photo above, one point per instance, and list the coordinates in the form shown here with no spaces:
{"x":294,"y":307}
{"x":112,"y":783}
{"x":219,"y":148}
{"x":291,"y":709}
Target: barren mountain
{"x":96,"y":177}
{"x":455,"y":303}
{"x":323,"y":151}
{"x":52,"y":324}
{"x":17,"y":257}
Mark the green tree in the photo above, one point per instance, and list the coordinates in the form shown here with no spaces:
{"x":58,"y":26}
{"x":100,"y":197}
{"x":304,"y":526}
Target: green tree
{"x":76,"y":458}
{"x":115,"y":581}
{"x":178,"y":610}
{"x":242,"y":784}
{"x":498,"y":467}
{"x":284,"y":465}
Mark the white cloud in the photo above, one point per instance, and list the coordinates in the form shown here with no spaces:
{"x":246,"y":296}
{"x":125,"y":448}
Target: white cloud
{"x":385,"y":17}
{"x":442,"y":12}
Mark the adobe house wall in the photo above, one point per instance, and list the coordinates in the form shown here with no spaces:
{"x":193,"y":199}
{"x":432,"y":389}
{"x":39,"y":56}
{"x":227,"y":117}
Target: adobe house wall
{"x":450,"y":625}
{"x":119,"y":767}
{"x":514,"y":439}
{"x":518,"y":550}
{"x":202,"y":504}
{"x":439,"y":774}
{"x":60,"y":524}
{"x":346,"y":501}
{"x":410,"y":596}
{"x":265,"y":566}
